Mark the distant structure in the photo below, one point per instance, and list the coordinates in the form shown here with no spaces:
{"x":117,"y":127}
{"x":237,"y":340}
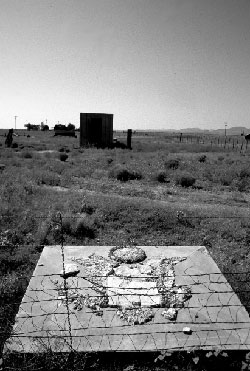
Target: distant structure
{"x":68,"y":131}
{"x":30,"y":126}
{"x":96,"y":129}
{"x":247,"y":137}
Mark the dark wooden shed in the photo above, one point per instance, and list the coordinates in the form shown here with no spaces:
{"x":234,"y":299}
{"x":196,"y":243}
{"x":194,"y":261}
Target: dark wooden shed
{"x":96,"y":129}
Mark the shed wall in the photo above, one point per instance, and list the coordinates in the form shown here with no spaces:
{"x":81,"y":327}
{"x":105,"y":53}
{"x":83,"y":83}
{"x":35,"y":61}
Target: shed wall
{"x":106,"y":129}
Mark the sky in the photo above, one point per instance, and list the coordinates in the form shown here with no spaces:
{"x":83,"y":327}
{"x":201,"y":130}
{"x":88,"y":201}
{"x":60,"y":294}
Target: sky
{"x":154,"y":64}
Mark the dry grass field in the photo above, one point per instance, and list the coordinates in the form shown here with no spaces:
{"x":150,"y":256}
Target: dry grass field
{"x":158,"y":193}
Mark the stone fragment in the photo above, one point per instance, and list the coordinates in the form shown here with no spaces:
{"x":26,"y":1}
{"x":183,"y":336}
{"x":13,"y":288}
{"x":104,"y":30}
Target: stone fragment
{"x":170,"y":314}
{"x":69,"y":270}
{"x":187,"y":330}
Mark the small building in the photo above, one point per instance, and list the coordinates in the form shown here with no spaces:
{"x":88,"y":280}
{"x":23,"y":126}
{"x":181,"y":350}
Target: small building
{"x":96,"y":129}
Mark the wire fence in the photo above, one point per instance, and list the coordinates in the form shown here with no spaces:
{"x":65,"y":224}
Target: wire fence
{"x":176,"y":303}
{"x":228,"y":142}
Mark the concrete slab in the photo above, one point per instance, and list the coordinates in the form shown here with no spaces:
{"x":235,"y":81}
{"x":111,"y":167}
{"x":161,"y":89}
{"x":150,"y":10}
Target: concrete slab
{"x":47,"y":320}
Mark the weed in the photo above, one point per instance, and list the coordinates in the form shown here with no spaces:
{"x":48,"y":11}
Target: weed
{"x":202,"y":158}
{"x":63,"y":157}
{"x":172,"y":164}
{"x":48,"y":178}
{"x":123,"y":174}
{"x":243,"y":184}
{"x":26,"y":154}
{"x":244,"y":173}
{"x":162,"y":177}
{"x":85,"y":228}
{"x":185,"y":180}
{"x":220,"y":158}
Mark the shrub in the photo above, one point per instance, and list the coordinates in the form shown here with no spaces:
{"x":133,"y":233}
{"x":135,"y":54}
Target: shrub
{"x":49,"y":178}
{"x":84,"y":228}
{"x":172,"y":164}
{"x":243,"y":185}
{"x":123,"y":174}
{"x":220,"y":158}
{"x":202,"y":158}
{"x":61,"y":149}
{"x":226,"y":179}
{"x":14,"y":145}
{"x":11,"y":286}
{"x":244,"y":173}
{"x":63,"y":157}
{"x":162,"y":177}
{"x":225,"y":176}
{"x":110,"y":160}
{"x":185,"y":180}
{"x":27,"y":154}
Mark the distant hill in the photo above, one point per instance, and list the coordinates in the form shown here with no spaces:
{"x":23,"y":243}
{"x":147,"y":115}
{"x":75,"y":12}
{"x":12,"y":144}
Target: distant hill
{"x":193,"y":130}
{"x":236,"y":130}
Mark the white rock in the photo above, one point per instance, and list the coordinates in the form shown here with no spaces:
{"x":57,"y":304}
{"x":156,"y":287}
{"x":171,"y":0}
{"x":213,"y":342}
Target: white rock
{"x":187,"y":330}
{"x":69,"y":270}
{"x":170,"y":313}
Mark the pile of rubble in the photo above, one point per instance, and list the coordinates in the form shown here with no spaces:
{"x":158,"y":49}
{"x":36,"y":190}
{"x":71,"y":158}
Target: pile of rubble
{"x":134,"y":288}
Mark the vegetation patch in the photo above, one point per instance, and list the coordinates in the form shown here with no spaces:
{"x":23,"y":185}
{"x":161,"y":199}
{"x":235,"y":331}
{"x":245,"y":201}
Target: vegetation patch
{"x":162,"y":177}
{"x":185,"y":180}
{"x":63,"y":156}
{"x":172,"y":164}
{"x":123,"y":174}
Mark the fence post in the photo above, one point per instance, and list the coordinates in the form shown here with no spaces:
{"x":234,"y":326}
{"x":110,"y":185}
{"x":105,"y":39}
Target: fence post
{"x":129,"y":136}
{"x":64,"y":280}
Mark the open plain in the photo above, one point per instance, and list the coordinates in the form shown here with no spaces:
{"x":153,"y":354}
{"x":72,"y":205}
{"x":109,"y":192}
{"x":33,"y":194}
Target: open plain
{"x":162,"y":192}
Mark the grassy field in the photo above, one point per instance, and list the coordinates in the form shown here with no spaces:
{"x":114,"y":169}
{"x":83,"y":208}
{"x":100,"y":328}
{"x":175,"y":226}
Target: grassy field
{"x":159,"y":193}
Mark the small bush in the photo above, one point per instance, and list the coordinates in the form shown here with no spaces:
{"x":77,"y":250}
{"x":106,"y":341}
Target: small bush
{"x":27,"y":154}
{"x":63,"y":157}
{"x":172,"y":164}
{"x":226,"y":176}
{"x":162,"y":177}
{"x":49,"y":178}
{"x":61,"y":149}
{"x":220,"y":158}
{"x":202,"y":158}
{"x":123,"y":174}
{"x":109,"y":160}
{"x":226,"y":179}
{"x":244,"y":173}
{"x":185,"y":180}
{"x":14,"y":145}
{"x":243,"y":185}
{"x":85,"y":228}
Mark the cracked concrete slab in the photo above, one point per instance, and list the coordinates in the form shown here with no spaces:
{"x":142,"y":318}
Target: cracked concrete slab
{"x":214,"y":313}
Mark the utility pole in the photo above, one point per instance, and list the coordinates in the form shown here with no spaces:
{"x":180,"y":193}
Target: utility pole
{"x":15,"y":121}
{"x":225,"y":129}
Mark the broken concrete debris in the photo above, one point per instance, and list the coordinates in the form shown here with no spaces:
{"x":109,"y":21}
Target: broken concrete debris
{"x":127,"y":281}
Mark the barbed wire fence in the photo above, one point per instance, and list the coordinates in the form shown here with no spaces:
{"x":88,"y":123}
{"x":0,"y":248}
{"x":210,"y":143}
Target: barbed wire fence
{"x":66,"y":339}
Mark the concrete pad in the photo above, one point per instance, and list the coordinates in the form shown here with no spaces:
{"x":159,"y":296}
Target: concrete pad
{"x":214,"y":312}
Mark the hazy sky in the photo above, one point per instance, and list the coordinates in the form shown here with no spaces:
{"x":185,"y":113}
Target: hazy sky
{"x":152,"y":63}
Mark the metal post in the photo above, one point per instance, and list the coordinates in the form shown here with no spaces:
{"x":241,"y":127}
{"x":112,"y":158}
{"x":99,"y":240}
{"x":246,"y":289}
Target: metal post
{"x":129,"y":136}
{"x":15,"y":121}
